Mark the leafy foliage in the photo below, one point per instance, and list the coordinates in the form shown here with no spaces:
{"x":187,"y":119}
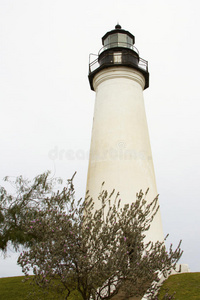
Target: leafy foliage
{"x":27,"y":200}
{"x":69,"y":246}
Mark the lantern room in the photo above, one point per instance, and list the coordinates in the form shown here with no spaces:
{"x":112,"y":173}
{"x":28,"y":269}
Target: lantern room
{"x":118,"y":50}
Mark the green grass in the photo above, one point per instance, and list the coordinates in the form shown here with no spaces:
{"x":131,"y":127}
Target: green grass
{"x":186,"y":286}
{"x":13,"y":288}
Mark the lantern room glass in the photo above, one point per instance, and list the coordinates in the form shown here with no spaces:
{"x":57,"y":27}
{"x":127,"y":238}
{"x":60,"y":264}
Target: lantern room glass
{"x":118,"y":40}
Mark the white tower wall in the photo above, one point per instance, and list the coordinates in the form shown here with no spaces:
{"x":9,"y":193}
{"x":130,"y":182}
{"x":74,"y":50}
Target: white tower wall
{"x":120,"y":153}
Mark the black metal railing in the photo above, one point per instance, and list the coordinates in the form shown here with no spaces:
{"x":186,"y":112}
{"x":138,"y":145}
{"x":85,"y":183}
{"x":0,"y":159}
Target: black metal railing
{"x":117,"y":45}
{"x":139,"y":64}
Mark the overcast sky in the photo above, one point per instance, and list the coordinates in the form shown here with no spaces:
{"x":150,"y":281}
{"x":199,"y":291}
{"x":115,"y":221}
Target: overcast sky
{"x":46,"y":105}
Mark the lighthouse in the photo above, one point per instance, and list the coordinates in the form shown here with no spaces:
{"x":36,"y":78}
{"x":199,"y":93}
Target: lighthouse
{"x":120,"y":151}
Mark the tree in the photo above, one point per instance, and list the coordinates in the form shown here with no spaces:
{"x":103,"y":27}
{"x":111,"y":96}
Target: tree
{"x":71,"y":247}
{"x":27,"y":199}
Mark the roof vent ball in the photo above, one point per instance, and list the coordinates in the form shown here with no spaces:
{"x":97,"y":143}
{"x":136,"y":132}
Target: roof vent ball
{"x":118,"y":26}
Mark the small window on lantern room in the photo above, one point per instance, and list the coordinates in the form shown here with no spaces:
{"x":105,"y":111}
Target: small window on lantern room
{"x":117,"y":57}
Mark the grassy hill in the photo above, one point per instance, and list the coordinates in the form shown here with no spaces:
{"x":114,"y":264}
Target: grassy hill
{"x":186,"y":286}
{"x":14,"y":288}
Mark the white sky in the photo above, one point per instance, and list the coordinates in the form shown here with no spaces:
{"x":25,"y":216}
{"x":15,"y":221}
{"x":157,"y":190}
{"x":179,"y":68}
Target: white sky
{"x":46,"y":104}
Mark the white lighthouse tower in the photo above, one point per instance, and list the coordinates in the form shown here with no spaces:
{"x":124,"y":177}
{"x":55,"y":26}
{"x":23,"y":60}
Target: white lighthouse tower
{"x":120,"y":153}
